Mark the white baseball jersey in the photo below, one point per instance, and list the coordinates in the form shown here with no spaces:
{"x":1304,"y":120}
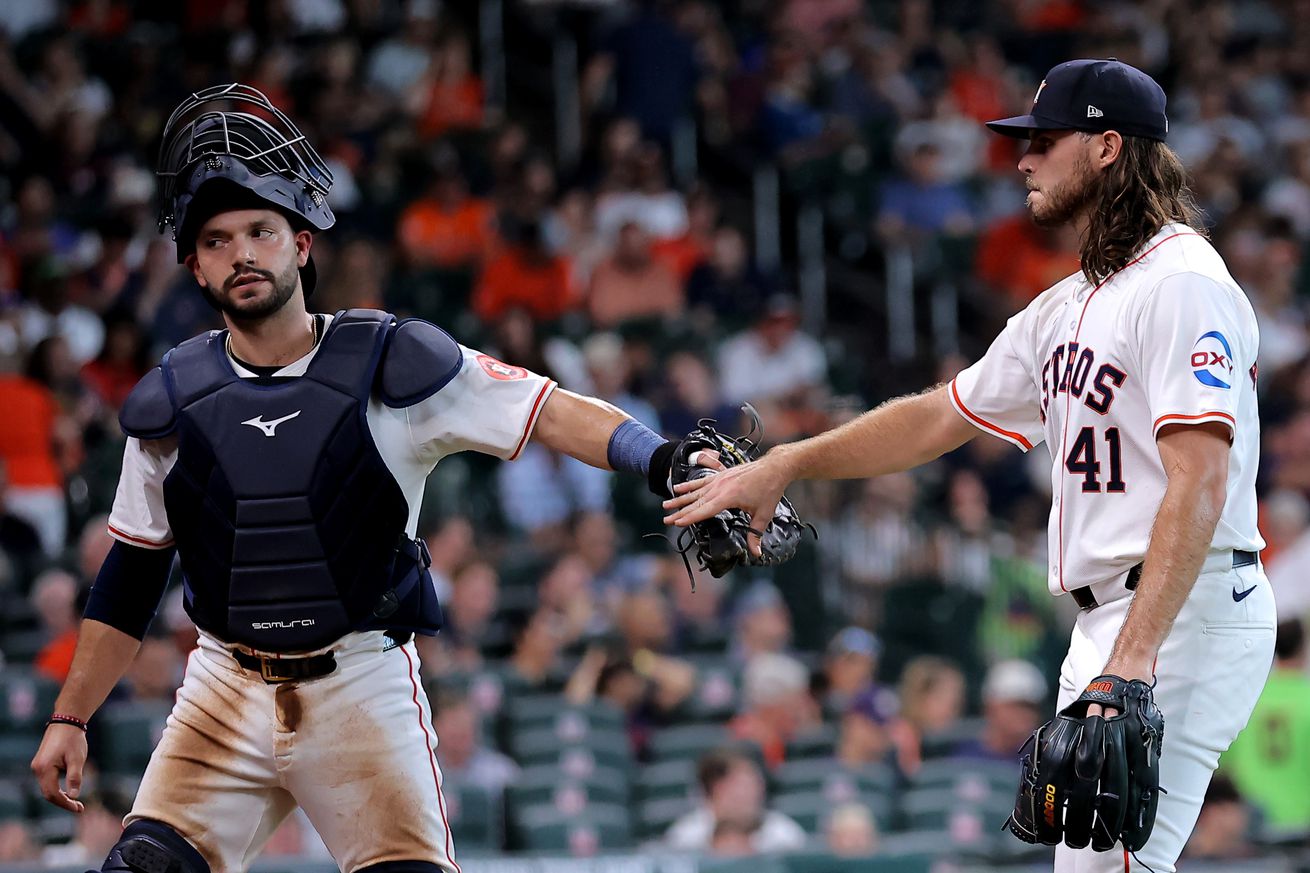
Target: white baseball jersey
{"x":488,"y":407}
{"x":1096,"y":371}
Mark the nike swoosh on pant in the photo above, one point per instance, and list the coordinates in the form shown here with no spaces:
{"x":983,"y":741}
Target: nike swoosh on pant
{"x":1239,"y":596}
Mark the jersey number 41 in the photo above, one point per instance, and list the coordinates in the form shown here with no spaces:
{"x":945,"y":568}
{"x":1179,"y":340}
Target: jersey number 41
{"x":1084,"y":461}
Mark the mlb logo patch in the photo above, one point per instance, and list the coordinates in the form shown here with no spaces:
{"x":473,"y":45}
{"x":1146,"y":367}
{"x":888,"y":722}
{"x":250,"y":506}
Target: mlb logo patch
{"x":1212,"y":360}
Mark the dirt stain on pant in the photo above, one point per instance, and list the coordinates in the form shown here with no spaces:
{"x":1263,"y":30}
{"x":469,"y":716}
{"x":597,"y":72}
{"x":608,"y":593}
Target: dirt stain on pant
{"x":289,"y":706}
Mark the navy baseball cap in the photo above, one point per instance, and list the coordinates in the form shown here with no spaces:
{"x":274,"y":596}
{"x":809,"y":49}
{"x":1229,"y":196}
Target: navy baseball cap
{"x":1093,"y":95}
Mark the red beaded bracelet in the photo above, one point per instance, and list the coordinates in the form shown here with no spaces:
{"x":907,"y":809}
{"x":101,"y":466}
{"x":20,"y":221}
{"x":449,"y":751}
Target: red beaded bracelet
{"x":60,"y":718}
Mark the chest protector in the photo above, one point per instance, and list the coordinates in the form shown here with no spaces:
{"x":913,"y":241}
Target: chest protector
{"x":290,"y":527}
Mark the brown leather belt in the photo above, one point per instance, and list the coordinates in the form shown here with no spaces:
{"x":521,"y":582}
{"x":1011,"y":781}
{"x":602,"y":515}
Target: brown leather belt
{"x":278,"y":670}
{"x":1087,"y":600}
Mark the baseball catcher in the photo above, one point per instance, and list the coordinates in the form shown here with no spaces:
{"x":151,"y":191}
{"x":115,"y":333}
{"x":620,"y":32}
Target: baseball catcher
{"x":1093,"y":779}
{"x":719,"y":542}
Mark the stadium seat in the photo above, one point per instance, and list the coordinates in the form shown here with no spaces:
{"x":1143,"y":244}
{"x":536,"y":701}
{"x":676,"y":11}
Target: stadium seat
{"x":128,"y":732}
{"x":970,"y":821}
{"x":830,"y":777}
{"x":548,"y":783}
{"x":716,"y":696}
{"x":13,"y":803}
{"x":883,"y":862}
{"x":606,"y":748}
{"x":688,"y":742}
{"x":968,"y":777}
{"x":943,"y":744}
{"x":535,"y":711}
{"x":477,"y":817}
{"x":756,"y":864}
{"x":26,"y":699}
{"x":654,"y":817}
{"x":819,"y":742}
{"x":674,"y":779}
{"x":595,"y":828}
{"x":810,"y":809}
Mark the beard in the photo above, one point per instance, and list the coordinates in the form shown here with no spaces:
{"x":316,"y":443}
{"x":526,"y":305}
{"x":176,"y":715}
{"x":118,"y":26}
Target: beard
{"x":259,"y":308}
{"x":1062,"y":203}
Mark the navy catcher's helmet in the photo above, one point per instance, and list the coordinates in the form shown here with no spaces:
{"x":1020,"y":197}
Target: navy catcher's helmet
{"x":229,"y":147}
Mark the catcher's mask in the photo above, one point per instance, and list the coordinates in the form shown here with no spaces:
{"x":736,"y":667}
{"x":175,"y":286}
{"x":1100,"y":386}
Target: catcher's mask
{"x":228,"y":147}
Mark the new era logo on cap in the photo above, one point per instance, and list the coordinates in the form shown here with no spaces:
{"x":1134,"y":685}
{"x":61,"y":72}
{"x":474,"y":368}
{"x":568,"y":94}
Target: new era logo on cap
{"x":1093,"y":95}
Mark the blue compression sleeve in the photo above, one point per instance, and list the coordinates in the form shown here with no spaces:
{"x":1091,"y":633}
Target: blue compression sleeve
{"x":631,"y":446}
{"x":129,"y":586}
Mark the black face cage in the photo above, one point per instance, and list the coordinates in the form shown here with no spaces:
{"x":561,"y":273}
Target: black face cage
{"x":265,"y":145}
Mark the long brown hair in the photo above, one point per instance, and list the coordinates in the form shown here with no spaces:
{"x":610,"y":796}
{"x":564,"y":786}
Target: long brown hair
{"x":1145,"y":189}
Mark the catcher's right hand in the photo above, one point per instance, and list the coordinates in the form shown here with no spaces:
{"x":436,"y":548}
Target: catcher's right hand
{"x":1088,"y":779}
{"x":738,"y":516}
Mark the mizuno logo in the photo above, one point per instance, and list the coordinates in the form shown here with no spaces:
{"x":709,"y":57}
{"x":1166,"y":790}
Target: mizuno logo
{"x":269,"y":426}
{"x":1239,"y":596}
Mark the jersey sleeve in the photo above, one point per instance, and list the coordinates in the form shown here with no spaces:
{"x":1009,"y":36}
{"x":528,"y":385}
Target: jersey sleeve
{"x":998,"y":394}
{"x":138,"y":517}
{"x":489,"y":407}
{"x":1195,"y":341}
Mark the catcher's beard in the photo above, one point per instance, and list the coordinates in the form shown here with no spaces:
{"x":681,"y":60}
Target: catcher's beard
{"x":1063,"y":202}
{"x":284,"y":286}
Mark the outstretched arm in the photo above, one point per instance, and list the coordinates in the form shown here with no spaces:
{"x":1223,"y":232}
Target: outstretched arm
{"x":578,"y":426}
{"x":901,"y":434}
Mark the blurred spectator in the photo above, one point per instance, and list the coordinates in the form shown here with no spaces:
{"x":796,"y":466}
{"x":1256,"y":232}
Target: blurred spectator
{"x":156,"y":672}
{"x":631,"y":284}
{"x":773,"y":360}
{"x":725,"y":285}
{"x":1269,"y":759}
{"x":534,"y":664}
{"x":732,"y":789}
{"x":450,"y":544}
{"x":698,"y":620}
{"x":1222,"y":829}
{"x":644,"y":621}
{"x":761,"y":623}
{"x":851,"y":831}
{"x":49,"y":312}
{"x":686,"y":252}
{"x":877,"y":538}
{"x":1286,"y":526}
{"x":465,"y":760}
{"x":653,"y":68}
{"x":397,"y":66}
{"x":17,"y":842}
{"x":446,"y":228}
{"x":922,"y":202}
{"x":611,"y":374}
{"x":646,"y":200}
{"x":931,"y":692}
{"x":122,"y":361}
{"x":450,"y":95}
{"x":1014,"y":696}
{"x":97,"y":829}
{"x":33,"y":428}
{"x":645,"y":687}
{"x":469,"y":613}
{"x":776,"y":704}
{"x":570,"y":233}
{"x":1018,"y":260}
{"x":865,"y":737}
{"x":55,"y":596}
{"x":357,"y":280}
{"x":692,"y":394}
{"x":731,"y":839}
{"x":523,"y":273}
{"x":566,"y":589}
{"x":542,"y":490}
{"x":19,"y":540}
{"x":849,"y":666}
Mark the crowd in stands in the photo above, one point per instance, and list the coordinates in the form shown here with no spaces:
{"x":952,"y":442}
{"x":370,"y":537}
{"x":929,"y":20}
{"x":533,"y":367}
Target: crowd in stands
{"x":867,"y":697}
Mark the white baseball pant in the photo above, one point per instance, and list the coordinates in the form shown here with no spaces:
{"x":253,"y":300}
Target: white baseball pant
{"x":1209,"y":674}
{"x":355,"y":749}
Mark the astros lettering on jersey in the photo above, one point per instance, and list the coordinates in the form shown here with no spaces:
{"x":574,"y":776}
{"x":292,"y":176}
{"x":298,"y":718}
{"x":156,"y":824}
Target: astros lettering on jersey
{"x":1095,"y":371}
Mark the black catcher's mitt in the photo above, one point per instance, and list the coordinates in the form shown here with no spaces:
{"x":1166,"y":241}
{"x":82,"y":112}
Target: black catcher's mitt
{"x":719,"y":543}
{"x":1089,"y":779}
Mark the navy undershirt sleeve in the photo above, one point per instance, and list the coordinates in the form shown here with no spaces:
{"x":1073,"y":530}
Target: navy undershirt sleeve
{"x":129,"y":587}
